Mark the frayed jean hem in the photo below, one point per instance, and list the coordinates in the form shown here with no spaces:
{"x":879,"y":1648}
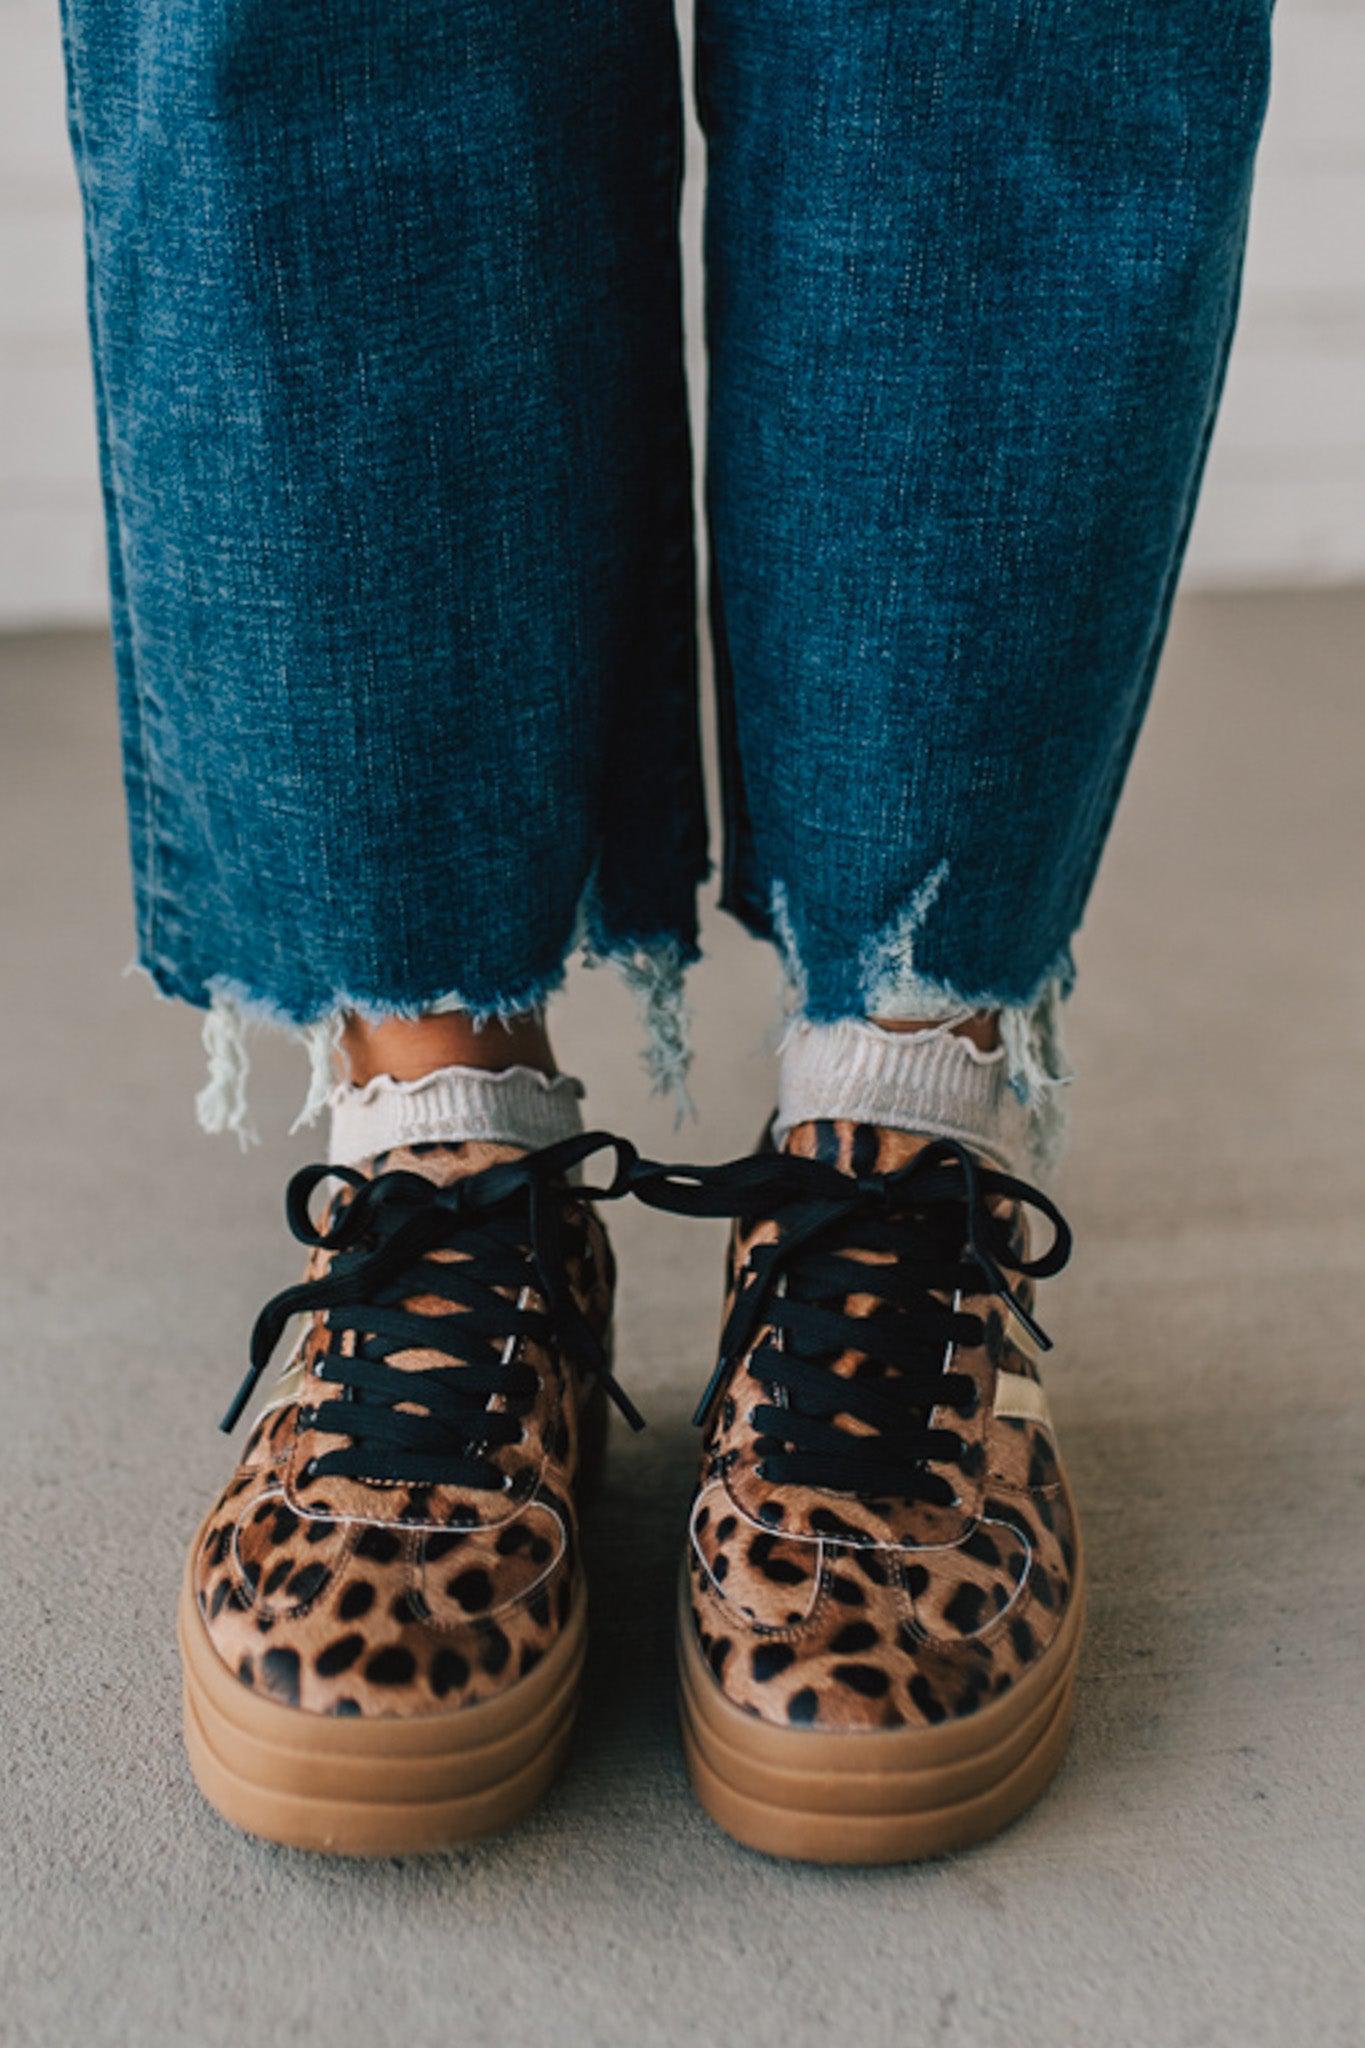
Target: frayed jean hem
{"x":652,"y":967}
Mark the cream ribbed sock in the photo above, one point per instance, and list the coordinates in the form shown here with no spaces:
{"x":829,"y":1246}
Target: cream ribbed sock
{"x":933,"y":1081}
{"x":516,"y":1106}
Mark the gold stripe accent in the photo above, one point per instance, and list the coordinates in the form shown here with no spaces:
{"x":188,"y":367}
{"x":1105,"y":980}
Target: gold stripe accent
{"x":287,"y":1387}
{"x":1018,"y":1399}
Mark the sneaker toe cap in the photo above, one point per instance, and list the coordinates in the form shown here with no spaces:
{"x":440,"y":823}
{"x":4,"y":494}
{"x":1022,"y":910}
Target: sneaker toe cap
{"x":363,"y":1619}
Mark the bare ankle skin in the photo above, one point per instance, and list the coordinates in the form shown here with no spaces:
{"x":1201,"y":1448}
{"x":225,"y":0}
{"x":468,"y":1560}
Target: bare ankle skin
{"x":408,"y":1047}
{"x":982,"y":1027}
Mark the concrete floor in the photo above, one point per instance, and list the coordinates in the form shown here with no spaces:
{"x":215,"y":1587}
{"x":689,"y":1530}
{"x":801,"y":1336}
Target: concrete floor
{"x":1196,"y":1876}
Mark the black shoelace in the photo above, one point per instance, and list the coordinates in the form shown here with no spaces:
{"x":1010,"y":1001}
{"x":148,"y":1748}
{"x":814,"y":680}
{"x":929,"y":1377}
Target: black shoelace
{"x":509,"y":1223}
{"x":934,"y":1238}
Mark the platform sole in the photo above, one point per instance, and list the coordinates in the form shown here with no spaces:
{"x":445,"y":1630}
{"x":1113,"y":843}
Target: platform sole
{"x":376,"y":1787}
{"x":893,"y":1795}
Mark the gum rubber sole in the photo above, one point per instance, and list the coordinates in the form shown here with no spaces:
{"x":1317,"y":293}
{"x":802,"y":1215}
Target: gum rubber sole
{"x":377,"y":1787}
{"x":892,"y":1795}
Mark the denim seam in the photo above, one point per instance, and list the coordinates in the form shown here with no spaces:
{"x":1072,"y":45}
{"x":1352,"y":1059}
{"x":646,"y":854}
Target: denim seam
{"x":146,"y":804}
{"x":678,"y":548}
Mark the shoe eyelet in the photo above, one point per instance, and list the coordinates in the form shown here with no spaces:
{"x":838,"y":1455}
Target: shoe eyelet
{"x":307,"y":1417}
{"x":310,"y":1471}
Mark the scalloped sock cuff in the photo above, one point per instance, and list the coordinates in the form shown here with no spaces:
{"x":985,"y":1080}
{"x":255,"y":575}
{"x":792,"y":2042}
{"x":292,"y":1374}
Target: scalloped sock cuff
{"x":514,"y":1106}
{"x":933,"y":1082}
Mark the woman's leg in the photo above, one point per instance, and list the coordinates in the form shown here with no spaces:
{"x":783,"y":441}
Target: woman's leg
{"x":385,"y":308}
{"x":973,"y":272}
{"x":385,"y":311}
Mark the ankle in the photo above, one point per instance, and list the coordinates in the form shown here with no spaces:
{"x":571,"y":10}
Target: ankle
{"x":982,"y":1027}
{"x":408,"y":1048}
{"x":458,"y":1105}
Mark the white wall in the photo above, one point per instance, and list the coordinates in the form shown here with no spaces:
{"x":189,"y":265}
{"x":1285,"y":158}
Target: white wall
{"x":51,"y":544}
{"x":1285,"y":499}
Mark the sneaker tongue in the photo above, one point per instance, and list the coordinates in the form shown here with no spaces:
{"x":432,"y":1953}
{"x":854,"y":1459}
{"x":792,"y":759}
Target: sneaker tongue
{"x":443,"y":1163}
{"x":854,"y":1148}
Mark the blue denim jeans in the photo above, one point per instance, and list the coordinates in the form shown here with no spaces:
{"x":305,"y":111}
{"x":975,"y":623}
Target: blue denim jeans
{"x":386,"y":316}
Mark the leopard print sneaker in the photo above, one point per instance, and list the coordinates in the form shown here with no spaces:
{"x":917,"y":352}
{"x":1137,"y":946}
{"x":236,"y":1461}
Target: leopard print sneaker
{"x":382,"y":1623}
{"x":882,"y":1598}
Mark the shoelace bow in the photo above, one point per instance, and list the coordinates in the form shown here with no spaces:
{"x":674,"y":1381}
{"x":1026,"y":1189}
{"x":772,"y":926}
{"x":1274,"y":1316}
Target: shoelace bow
{"x":508,"y":1223}
{"x":933,"y":1222}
